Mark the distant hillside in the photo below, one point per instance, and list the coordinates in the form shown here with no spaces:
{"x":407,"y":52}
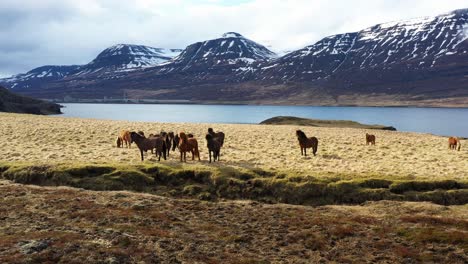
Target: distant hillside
{"x":13,"y":103}
{"x":292,"y":120}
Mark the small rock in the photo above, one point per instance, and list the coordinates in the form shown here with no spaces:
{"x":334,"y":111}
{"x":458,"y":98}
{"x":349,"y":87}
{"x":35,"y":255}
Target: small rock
{"x":33,"y":246}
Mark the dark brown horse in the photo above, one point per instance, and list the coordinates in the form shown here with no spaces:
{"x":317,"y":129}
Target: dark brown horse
{"x":145,"y":144}
{"x":305,"y":142}
{"x":370,"y":139}
{"x":453,"y":142}
{"x":219,"y":136}
{"x":175,"y":142}
{"x":187,"y":144}
{"x":213,"y":146}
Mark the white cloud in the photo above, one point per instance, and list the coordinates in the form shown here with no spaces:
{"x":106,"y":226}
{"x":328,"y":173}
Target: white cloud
{"x":36,"y":33}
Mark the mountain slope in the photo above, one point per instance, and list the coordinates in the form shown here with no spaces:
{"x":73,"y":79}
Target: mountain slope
{"x":417,"y":57}
{"x":13,"y":103}
{"x":117,"y":59}
{"x":38,"y":75}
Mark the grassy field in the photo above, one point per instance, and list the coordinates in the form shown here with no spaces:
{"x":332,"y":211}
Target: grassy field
{"x":263,"y":203}
{"x":342,"y":152}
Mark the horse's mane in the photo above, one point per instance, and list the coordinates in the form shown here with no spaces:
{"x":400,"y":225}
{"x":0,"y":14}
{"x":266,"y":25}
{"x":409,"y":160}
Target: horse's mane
{"x":137,"y":134}
{"x":300,"y":134}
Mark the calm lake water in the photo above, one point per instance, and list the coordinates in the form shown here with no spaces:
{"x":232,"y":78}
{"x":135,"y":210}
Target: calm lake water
{"x":441,"y":121}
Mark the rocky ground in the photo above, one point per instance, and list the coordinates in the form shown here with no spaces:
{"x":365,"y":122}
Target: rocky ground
{"x":66,"y":225}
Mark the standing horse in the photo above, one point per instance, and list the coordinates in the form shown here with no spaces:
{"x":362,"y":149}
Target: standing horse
{"x":187,"y":144}
{"x":213,"y":146}
{"x":305,"y":142}
{"x":217,"y":135}
{"x":145,"y":144}
{"x":453,"y":142}
{"x":124,"y":137}
{"x":370,"y":139}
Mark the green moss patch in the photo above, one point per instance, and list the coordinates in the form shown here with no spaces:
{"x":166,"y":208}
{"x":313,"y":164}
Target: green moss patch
{"x":211,"y":183}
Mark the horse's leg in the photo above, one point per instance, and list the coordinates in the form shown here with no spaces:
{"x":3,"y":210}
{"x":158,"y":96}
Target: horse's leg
{"x":305,"y":152}
{"x":302,"y":153}
{"x":181,"y":156}
{"x":209,"y":154}
{"x":141,"y":152}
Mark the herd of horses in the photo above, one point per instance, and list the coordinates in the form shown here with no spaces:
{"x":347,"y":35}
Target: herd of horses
{"x":161,"y":143}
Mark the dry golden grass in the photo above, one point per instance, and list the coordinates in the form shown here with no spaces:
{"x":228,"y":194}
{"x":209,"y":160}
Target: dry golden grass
{"x":342,"y":151}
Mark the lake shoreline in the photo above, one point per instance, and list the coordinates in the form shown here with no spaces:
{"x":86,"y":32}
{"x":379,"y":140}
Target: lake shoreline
{"x":241,"y":103}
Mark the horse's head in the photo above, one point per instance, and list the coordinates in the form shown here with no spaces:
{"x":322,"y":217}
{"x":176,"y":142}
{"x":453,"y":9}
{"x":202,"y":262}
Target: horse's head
{"x":300,"y":134}
{"x":210,"y":131}
{"x":170,"y":135}
{"x":134,"y":136}
{"x":182,"y":136}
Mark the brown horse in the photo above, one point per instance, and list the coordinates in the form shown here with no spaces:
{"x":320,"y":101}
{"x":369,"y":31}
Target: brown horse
{"x":124,"y":137}
{"x":370,"y":139}
{"x":187,"y":144}
{"x":453,"y":142}
{"x":305,"y":142}
{"x":217,"y":135}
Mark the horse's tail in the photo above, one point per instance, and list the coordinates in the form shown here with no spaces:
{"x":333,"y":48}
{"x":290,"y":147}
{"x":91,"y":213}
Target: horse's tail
{"x":315,"y":146}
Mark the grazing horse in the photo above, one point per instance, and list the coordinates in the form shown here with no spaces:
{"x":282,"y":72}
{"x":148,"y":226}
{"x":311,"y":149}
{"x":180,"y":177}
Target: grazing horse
{"x":370,"y":139}
{"x":305,"y":142}
{"x":213,"y":146}
{"x":124,"y":137}
{"x":187,"y":144}
{"x":453,"y":142}
{"x":217,"y":135}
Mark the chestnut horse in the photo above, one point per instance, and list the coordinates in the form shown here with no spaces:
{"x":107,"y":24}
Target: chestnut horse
{"x":370,"y":139}
{"x":187,"y":144}
{"x":124,"y":137}
{"x":305,"y":142}
{"x":453,"y":142}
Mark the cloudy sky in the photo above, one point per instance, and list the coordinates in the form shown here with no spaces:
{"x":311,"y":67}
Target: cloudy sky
{"x":64,"y":32}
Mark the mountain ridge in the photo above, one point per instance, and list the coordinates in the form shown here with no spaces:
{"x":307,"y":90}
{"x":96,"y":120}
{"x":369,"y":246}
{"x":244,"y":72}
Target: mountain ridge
{"x":417,"y":60}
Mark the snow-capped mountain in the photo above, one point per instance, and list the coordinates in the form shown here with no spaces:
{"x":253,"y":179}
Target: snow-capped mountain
{"x":404,"y":48}
{"x":119,"y":58}
{"x":125,"y":57}
{"x":41,"y":74}
{"x":231,"y":49}
{"x":407,"y":61}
